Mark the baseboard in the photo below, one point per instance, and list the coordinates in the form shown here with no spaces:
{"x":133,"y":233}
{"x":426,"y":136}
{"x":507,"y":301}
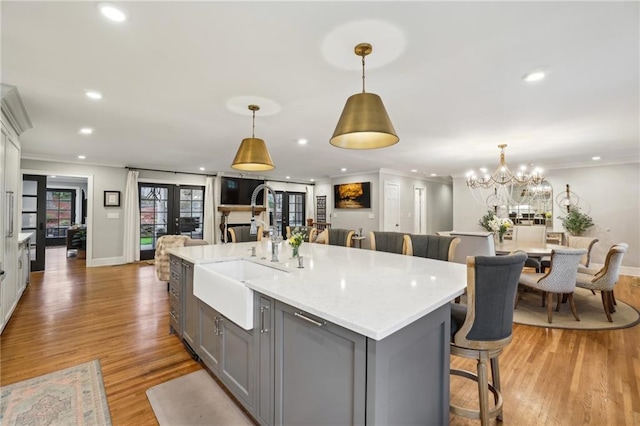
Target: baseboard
{"x":628,"y":270}
{"x":624,"y":270}
{"x":106,"y":261}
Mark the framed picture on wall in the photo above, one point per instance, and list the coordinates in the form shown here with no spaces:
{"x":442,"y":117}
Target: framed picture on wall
{"x":112,"y":198}
{"x":352,"y":195}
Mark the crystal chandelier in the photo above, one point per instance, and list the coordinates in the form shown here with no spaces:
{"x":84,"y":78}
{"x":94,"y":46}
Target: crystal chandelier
{"x":503,"y":187}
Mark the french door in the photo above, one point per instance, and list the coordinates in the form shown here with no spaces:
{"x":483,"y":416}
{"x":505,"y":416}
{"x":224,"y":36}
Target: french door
{"x":169,"y":210}
{"x":290,"y":210}
{"x":34,"y":189}
{"x":61,"y":212}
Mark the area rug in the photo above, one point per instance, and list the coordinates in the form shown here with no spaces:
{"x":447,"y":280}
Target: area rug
{"x":588,"y":305}
{"x":73,"y":396}
{"x":194,"y":399}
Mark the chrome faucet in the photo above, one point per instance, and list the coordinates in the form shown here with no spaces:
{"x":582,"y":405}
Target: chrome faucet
{"x":253,"y":230}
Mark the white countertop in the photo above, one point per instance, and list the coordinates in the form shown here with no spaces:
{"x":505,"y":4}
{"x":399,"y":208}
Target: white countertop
{"x":24,"y":236}
{"x":369,"y":292}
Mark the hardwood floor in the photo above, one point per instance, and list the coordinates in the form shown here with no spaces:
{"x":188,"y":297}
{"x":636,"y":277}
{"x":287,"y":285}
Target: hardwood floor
{"x":118,"y":314}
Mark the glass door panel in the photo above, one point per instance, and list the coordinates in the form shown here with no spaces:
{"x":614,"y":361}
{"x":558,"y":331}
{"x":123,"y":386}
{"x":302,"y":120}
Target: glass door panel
{"x":169,"y":210}
{"x":289,"y":210}
{"x":34,"y":189}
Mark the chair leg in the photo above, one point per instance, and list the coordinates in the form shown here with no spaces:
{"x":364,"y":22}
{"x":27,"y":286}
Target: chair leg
{"x":495,"y":379}
{"x":612,"y":302}
{"x":605,"y":304}
{"x":483,"y":388}
{"x":573,"y":306}
{"x":549,"y":306}
{"x":544,"y":297}
{"x":560,"y":298}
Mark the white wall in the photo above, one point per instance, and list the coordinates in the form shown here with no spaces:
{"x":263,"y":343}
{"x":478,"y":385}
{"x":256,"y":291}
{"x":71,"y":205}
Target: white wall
{"x":105,"y":234}
{"x":609,"y":194}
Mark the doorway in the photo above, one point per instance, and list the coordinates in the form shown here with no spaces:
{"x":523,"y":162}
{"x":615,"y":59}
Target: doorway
{"x":290,"y":210}
{"x":391,"y":207}
{"x":167,"y":209}
{"x":419,"y":210}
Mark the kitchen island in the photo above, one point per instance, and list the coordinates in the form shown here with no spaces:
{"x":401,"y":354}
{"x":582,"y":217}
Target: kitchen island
{"x":354,"y":337}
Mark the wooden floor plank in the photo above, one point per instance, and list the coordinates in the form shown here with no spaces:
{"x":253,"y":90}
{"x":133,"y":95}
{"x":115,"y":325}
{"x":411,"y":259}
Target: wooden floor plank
{"x":118,"y":314}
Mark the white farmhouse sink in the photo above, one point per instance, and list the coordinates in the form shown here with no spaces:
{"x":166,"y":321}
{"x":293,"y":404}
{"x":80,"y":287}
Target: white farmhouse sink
{"x":221,"y":286}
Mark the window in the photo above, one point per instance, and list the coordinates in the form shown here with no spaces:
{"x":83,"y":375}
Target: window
{"x":60,"y":212}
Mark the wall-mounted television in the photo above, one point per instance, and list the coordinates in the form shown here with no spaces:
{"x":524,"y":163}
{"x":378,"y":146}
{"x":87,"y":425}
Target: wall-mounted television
{"x":237,"y":191}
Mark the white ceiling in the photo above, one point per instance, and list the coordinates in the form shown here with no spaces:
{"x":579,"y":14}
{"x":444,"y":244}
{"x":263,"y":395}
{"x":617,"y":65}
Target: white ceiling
{"x":450,"y":75}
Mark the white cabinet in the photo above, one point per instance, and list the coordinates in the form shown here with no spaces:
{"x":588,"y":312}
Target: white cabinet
{"x":14,"y":122}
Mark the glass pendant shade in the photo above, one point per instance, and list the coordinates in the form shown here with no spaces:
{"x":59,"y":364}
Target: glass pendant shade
{"x":364,"y":124}
{"x":252,"y":156}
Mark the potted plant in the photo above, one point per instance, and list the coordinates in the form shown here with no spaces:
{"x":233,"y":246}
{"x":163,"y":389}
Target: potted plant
{"x":575,"y":222}
{"x":79,"y":242}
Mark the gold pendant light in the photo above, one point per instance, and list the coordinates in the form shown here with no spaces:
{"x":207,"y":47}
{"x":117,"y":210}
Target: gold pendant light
{"x":364,"y":123}
{"x":253,"y":156}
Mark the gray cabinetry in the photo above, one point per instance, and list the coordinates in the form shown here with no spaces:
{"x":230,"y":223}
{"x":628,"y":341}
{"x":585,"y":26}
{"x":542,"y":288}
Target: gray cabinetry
{"x":183,"y":305}
{"x":263,"y":335}
{"x":175,"y":292}
{"x":189,"y":305}
{"x":320,"y":371}
{"x":228,"y":351}
{"x":236,"y":361}
{"x":208,"y":337}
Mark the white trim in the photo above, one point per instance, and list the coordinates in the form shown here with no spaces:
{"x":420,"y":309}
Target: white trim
{"x":107,"y":261}
{"x":171,"y":182}
{"x":624,"y":270}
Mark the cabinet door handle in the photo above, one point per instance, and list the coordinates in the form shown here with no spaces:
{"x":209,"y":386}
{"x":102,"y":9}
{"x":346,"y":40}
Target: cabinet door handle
{"x":312,"y":321}
{"x":186,"y":265}
{"x":173,"y":315}
{"x":215,"y":325}
{"x":263,"y":329}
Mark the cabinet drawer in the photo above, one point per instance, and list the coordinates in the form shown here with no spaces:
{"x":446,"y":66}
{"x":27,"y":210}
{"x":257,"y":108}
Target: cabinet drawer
{"x":174,"y":289}
{"x":175,"y":264}
{"x":174,"y":318}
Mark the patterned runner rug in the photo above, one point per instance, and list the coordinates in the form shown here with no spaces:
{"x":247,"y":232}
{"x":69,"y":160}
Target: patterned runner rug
{"x":588,"y":305}
{"x":73,"y":396}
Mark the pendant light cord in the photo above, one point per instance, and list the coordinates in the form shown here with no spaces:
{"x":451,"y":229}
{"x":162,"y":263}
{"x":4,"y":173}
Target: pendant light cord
{"x":363,"y":73}
{"x":253,"y":125}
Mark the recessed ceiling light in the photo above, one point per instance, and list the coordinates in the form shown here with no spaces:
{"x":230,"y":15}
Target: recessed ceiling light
{"x":433,"y":174}
{"x":533,"y":76}
{"x":86,"y":131}
{"x":344,"y":169}
{"x":112,"y":12}
{"x":92,"y":94}
{"x":53,"y":176}
{"x":202,"y":169}
{"x":595,"y":158}
{"x":288,"y":177}
{"x":414,"y":171}
{"x":312,"y":180}
{"x":302,"y":141}
{"x":82,"y":157}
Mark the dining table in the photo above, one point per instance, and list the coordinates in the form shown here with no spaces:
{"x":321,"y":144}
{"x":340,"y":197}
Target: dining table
{"x":531,"y":248}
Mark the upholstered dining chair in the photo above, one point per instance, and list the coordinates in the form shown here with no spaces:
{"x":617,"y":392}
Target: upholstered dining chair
{"x":579,"y":243}
{"x":473,"y":244}
{"x":431,"y":246}
{"x":241,"y":234}
{"x":530,"y":234}
{"x":559,"y":279}
{"x":339,"y":237}
{"x":606,"y":278}
{"x":309,"y":232}
{"x":390,"y":242}
{"x":482,"y":328}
